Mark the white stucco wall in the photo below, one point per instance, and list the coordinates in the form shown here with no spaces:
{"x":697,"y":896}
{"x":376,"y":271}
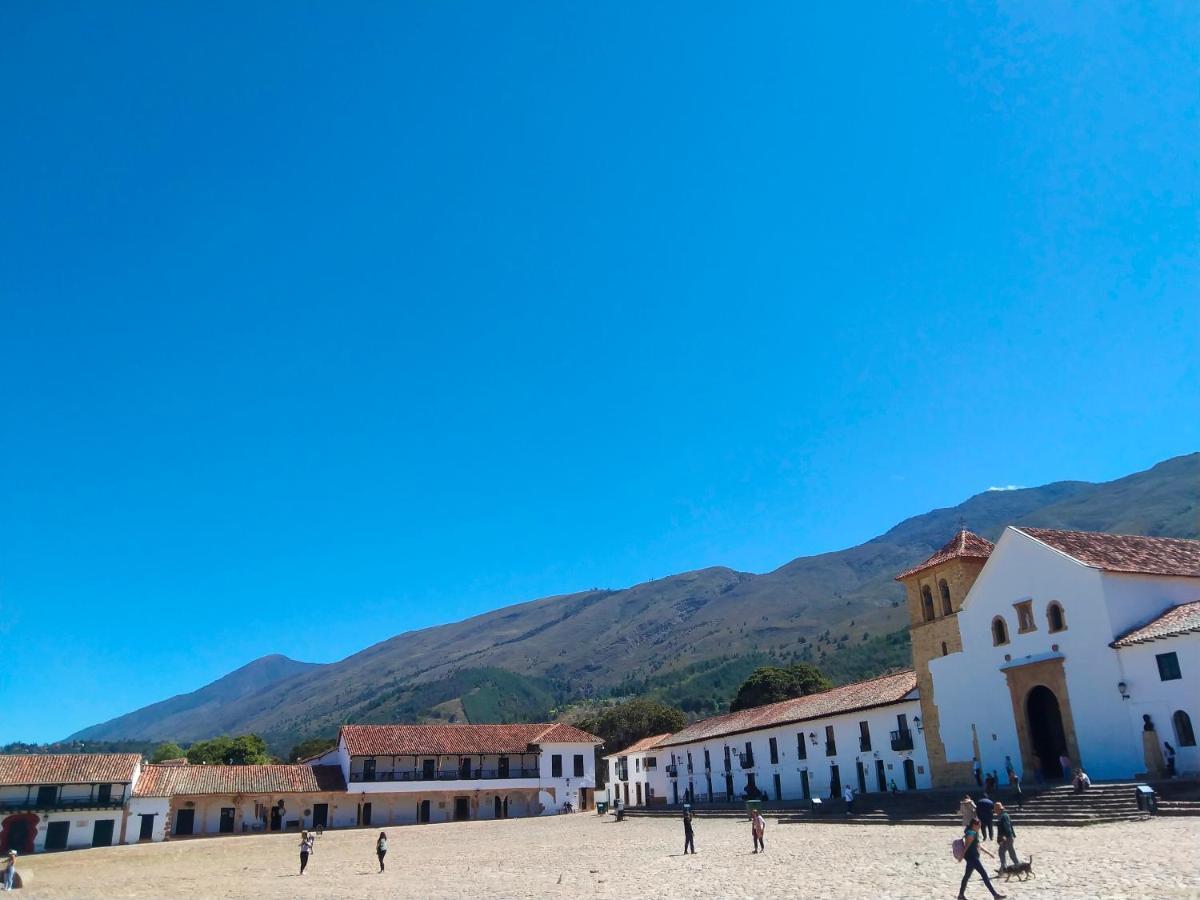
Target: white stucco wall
{"x":1149,"y":694}
{"x":156,"y":806}
{"x":881,"y":722}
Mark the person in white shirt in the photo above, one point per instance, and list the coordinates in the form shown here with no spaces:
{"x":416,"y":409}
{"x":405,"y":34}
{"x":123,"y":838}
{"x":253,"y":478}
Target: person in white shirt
{"x":848,"y":796}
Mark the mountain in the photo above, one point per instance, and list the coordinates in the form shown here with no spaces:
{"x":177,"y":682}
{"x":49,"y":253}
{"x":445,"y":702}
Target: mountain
{"x":689,"y":634}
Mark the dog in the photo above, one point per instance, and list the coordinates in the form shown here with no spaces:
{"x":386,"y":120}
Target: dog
{"x":1023,"y":871}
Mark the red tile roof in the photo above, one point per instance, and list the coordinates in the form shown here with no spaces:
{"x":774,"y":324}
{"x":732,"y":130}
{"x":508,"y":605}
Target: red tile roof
{"x":68,"y":768}
{"x":1182,"y":619}
{"x":166,"y":781}
{"x":451,"y":740}
{"x":1124,"y":552}
{"x":964,"y":545}
{"x":646,"y":743}
{"x":881,"y":691}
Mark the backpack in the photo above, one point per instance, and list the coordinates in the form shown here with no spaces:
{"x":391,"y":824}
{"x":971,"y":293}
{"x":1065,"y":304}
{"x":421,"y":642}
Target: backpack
{"x":959,"y":848}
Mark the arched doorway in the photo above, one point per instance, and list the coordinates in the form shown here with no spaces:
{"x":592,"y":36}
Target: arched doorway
{"x":499,"y":809}
{"x":1046,"y":732}
{"x":18,"y":832}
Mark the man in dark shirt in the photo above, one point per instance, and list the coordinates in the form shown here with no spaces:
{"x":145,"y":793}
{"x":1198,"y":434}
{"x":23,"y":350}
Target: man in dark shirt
{"x":984,"y":809}
{"x":1006,"y":835}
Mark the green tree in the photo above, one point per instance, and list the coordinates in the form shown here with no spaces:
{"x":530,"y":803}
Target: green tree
{"x":311,"y":747}
{"x":167,"y":750}
{"x":243,"y":750}
{"x":770,"y":684}
{"x":623,"y":724}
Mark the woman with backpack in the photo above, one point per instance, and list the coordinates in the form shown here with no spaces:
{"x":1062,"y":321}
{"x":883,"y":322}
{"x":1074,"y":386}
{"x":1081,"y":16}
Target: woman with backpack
{"x":970,"y":848}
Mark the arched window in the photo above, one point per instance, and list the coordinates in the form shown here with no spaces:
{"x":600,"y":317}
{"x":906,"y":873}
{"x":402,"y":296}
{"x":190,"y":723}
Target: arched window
{"x":945,"y":650}
{"x":1054,"y":615}
{"x":999,"y":632}
{"x":927,"y":603}
{"x":1183,"y":729}
{"x":944,"y":588}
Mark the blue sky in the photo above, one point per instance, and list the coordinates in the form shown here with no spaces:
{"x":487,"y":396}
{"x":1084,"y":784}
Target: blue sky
{"x":322,"y":324}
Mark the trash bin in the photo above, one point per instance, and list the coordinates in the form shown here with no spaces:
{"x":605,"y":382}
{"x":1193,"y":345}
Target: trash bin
{"x":816,"y":806}
{"x":601,"y":807}
{"x":1147,"y":800}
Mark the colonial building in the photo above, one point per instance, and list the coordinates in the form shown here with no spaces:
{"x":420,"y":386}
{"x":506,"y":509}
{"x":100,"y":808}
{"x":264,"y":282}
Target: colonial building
{"x":1057,"y":642}
{"x":865,"y":735}
{"x":403,"y":774}
{"x":64,"y":801}
{"x":174,"y":801}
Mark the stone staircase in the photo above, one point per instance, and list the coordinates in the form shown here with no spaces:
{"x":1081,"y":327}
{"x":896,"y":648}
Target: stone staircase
{"x":1047,"y":806}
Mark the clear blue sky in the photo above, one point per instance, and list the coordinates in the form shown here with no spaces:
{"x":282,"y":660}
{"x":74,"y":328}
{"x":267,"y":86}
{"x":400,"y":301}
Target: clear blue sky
{"x":321,"y":323}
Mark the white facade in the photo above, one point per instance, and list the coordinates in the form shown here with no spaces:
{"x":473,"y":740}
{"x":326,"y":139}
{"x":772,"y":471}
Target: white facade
{"x":972,"y":691}
{"x":803,"y":765}
{"x":638,"y":777}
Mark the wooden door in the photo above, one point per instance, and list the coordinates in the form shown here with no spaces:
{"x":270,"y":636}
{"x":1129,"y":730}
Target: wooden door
{"x":102,"y":832}
{"x":805,"y":791}
{"x":147,"y":831}
{"x":910,"y":775}
{"x":366,"y":813}
{"x":185,"y":821}
{"x":56,"y":835}
{"x":226,"y":826}
{"x":880,"y":776}
{"x":320,"y":815}
{"x":462,"y":809}
{"x":423,"y":812}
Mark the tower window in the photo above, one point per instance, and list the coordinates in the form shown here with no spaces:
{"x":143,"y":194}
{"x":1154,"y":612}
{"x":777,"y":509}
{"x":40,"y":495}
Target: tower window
{"x":945,"y":651}
{"x":927,"y":603}
{"x":944,"y":589}
{"x":999,"y":632}
{"x":1055,"y":617}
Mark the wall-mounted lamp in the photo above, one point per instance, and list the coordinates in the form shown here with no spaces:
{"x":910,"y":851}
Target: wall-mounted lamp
{"x":1124,"y":689}
{"x":917,"y":722}
{"x":812,"y":735}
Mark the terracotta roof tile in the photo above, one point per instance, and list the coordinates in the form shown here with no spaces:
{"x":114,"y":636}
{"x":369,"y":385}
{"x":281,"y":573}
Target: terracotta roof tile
{"x":166,"y":781}
{"x":646,"y":743}
{"x":68,"y":768}
{"x":847,"y":698}
{"x":1182,"y":619}
{"x":1124,"y":552}
{"x":964,"y":545}
{"x":450,"y":740}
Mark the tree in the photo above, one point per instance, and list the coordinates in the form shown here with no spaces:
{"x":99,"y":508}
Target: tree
{"x":623,"y":724}
{"x":243,"y":750}
{"x":168,"y":750}
{"x":770,"y":684}
{"x":311,"y":747}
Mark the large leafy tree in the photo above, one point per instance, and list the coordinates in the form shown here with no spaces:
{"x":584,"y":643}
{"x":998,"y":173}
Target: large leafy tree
{"x":243,"y":750}
{"x":770,"y":684}
{"x":168,"y":750}
{"x":311,"y":747}
{"x":625,"y":723}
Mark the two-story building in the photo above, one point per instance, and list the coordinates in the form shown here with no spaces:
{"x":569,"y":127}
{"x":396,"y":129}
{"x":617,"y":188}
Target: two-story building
{"x":404,"y":774}
{"x":63,"y":801}
{"x":638,"y":765}
{"x":866,"y":735}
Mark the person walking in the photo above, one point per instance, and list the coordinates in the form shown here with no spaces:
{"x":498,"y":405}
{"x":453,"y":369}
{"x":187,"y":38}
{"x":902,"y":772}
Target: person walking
{"x":966,"y":809}
{"x":848,"y":796}
{"x":305,"y":849}
{"x":11,"y":871}
{"x":1009,"y":770}
{"x":971,"y":857}
{"x":1016,"y":783}
{"x":984,"y":810}
{"x":892,"y":786}
{"x":1005,"y":835}
{"x":1169,"y":753}
{"x":381,"y":848}
{"x":758,"y":828}
{"x":689,"y":837}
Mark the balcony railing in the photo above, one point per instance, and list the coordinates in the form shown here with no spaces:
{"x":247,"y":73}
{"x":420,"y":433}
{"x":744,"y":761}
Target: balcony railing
{"x":831,"y":748}
{"x":673,"y":771}
{"x":864,"y":744}
{"x":32,"y":803}
{"x":902,"y":740}
{"x":746,"y":760}
{"x":456,"y":775}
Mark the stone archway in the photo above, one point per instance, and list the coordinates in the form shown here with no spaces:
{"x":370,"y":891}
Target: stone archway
{"x":17,"y":833}
{"x":1042,"y":716}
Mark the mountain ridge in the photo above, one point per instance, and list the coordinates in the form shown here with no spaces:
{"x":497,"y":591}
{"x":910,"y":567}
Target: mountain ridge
{"x":586,"y":643}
